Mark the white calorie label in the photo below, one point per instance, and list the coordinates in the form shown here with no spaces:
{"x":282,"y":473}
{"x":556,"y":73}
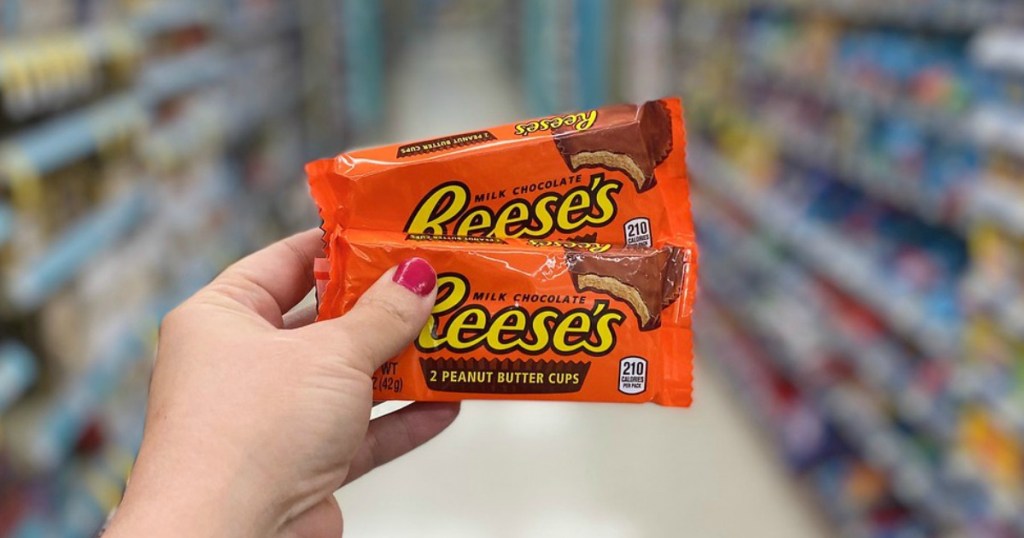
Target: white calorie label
{"x":638,"y":232}
{"x":632,"y":375}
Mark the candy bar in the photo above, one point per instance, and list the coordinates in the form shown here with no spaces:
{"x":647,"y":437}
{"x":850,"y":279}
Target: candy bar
{"x":534,"y":319}
{"x":617,"y":174}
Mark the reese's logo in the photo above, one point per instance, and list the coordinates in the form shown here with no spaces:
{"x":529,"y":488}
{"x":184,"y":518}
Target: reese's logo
{"x":581,"y":121}
{"x":446,"y":210}
{"x":513,"y":328}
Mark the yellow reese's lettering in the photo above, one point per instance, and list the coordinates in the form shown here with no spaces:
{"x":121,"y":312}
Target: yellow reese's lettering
{"x":468,"y":327}
{"x":446,"y":210}
{"x":581,"y":121}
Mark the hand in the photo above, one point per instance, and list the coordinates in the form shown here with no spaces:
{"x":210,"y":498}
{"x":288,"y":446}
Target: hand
{"x":256,"y":416}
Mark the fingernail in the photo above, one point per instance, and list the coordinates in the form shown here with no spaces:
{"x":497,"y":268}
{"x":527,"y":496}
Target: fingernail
{"x":416,"y":275}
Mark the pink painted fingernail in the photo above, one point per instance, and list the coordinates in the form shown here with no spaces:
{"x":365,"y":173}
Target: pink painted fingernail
{"x":416,"y":275}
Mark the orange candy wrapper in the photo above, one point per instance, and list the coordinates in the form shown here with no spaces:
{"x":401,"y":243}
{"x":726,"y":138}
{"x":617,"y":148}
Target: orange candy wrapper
{"x":519,"y":221}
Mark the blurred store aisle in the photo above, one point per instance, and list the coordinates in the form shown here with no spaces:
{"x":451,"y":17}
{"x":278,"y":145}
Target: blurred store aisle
{"x":537,"y":469}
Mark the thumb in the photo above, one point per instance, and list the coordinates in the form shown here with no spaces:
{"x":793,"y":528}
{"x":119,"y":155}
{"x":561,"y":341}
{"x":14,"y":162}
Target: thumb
{"x":385,"y":319}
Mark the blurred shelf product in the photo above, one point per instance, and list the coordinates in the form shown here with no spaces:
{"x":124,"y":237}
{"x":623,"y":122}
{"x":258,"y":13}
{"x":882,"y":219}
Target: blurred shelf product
{"x":18,"y":370}
{"x":999,"y":127}
{"x":1000,"y":48}
{"x":155,"y":17}
{"x":1001,"y":204}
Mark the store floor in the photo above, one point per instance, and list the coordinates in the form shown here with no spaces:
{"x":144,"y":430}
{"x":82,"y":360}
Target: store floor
{"x":565,"y":470}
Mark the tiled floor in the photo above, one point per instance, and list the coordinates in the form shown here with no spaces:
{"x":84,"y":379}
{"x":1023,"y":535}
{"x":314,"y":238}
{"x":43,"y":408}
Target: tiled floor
{"x":566,"y":470}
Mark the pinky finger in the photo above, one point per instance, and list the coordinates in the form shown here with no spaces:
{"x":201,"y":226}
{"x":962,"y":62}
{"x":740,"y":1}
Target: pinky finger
{"x":394,"y":435}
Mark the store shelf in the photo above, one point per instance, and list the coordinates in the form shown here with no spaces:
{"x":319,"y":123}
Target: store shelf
{"x":1007,"y":412}
{"x":42,"y":71}
{"x":261,"y":28}
{"x":164,"y":17}
{"x":54,"y":144}
{"x":899,"y":189}
{"x":992,"y":302}
{"x":883,"y":368}
{"x":861,"y":422}
{"x":197,"y":132}
{"x":39,"y":278}
{"x":886,"y":185}
{"x":42,"y":277}
{"x":39,"y":74}
{"x":18,"y":370}
{"x":839,"y":91}
{"x":991,"y":201}
{"x":975,"y":379}
{"x":830,"y":254}
{"x":50,"y":146}
{"x":182,"y":74}
{"x":62,"y":421}
{"x":211,"y":88}
{"x":719,"y":344}
{"x":6,"y":224}
{"x":21,"y":57}
{"x":51,"y":437}
{"x":915,"y":104}
{"x":879,"y":364}
{"x":958,"y":16}
{"x":96,"y":482}
{"x":213,"y":125}
{"x":998,"y":127}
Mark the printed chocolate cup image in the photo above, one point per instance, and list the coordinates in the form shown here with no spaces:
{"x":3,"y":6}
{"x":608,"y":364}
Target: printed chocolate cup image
{"x":647,"y":280}
{"x":628,"y":138}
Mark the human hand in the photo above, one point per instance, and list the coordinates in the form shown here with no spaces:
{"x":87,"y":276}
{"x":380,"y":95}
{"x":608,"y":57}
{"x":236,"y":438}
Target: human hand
{"x":256,"y":416}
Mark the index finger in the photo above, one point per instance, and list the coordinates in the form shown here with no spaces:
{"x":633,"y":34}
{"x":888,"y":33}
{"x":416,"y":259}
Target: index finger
{"x":273,"y":280}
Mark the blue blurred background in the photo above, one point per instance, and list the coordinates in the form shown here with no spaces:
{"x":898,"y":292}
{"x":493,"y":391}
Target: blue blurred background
{"x":857,"y":168}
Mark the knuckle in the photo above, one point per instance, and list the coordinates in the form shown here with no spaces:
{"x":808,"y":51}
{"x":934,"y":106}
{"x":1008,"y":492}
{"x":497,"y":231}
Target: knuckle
{"x":175,"y":318}
{"x":235,"y":287}
{"x":391,"y":314}
{"x":345,"y":353}
{"x":359,"y":353}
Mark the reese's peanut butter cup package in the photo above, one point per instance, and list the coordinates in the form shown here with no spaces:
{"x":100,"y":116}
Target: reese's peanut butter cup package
{"x":614,"y":175}
{"x":531,"y":319}
{"x":519,"y":220}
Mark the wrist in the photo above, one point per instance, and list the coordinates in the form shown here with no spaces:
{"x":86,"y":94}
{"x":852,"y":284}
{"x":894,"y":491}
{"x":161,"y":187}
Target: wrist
{"x":182,"y":512}
{"x":165,"y":499}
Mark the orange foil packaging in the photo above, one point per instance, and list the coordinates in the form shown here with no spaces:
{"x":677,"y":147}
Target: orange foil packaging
{"x":564,"y":248}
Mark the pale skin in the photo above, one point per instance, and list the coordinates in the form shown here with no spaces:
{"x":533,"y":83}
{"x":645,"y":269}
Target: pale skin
{"x":257,"y":415}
